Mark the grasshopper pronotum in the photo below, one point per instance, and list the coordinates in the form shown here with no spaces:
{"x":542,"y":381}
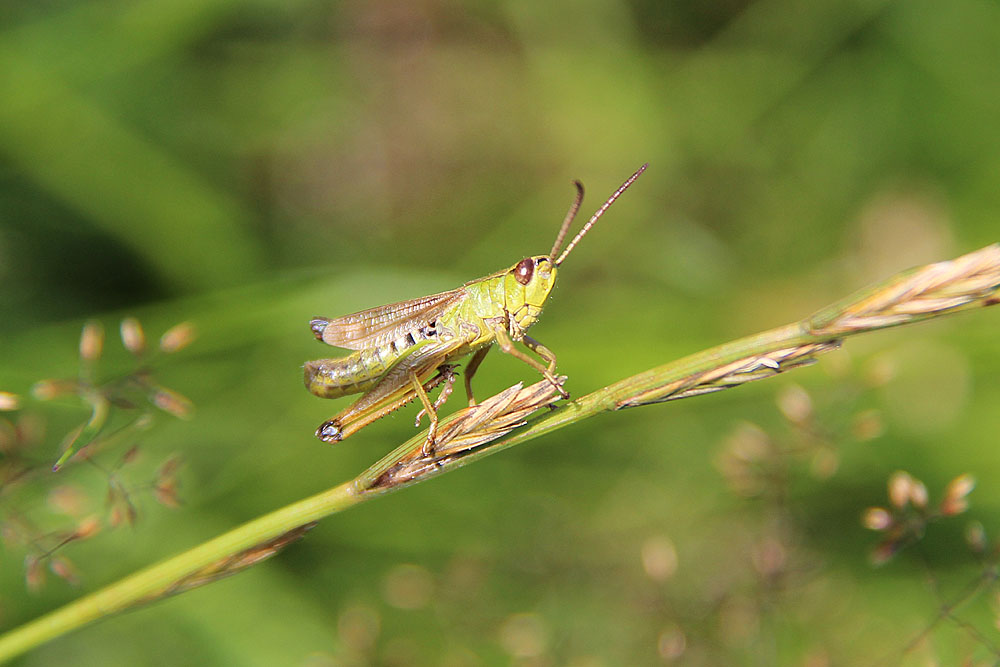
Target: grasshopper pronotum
{"x":405,"y":349}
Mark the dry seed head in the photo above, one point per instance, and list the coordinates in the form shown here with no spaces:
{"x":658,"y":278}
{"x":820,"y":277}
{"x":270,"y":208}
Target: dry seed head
{"x":795,"y":403}
{"x":824,"y":463}
{"x":133,"y":337}
{"x":749,"y":442}
{"x":880,"y":371}
{"x":877,"y":518}
{"x":170,"y":401}
{"x":358,"y":627}
{"x":769,"y":557}
{"x":975,"y":537}
{"x":953,"y":506}
{"x":34,"y":573}
{"x":918,"y":494}
{"x":117,"y":515}
{"x":408,"y":586}
{"x":955,"y":499}
{"x":169,"y":467}
{"x":11,"y":534}
{"x":969,"y":280}
{"x":122,"y":511}
{"x":9,"y":401}
{"x":87,"y":528}
{"x":46,"y":390}
{"x":524,"y":635}
{"x":177,"y":337}
{"x":900,"y":484}
{"x":671,"y":643}
{"x":91,"y":341}
{"x":739,"y":618}
{"x":30,"y":429}
{"x":471,"y":428}
{"x":165,"y":487}
{"x":67,"y":499}
{"x":165,"y":492}
{"x":881,"y":554}
{"x":130,"y":455}
{"x":867,"y":425}
{"x":960,"y":487}
{"x":659,"y":558}
{"x":64,"y":569}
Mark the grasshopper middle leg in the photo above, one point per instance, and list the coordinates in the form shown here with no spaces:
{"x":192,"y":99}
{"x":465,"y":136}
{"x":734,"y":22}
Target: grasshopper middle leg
{"x":470,"y":370}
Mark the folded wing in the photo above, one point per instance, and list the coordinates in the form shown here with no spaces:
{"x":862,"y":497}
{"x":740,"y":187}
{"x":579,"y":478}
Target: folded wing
{"x":376,"y":326}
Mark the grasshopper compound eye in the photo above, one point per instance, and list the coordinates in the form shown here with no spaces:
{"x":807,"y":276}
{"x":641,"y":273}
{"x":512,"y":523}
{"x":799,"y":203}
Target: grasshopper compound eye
{"x":524,"y":270}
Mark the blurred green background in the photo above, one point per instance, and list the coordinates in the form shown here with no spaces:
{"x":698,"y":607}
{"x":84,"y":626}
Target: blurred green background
{"x":249,"y":164}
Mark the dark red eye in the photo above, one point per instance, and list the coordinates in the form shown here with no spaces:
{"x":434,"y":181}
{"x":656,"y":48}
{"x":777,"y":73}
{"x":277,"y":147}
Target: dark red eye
{"x":523,"y":271}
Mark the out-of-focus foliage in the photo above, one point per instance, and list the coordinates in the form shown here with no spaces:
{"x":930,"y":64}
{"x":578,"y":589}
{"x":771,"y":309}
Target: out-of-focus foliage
{"x":246,"y":165}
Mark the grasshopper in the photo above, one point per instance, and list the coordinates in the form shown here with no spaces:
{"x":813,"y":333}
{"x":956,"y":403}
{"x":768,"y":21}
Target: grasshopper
{"x":403,"y":350}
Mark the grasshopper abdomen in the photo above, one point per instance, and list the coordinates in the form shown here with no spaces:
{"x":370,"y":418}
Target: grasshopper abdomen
{"x":359,"y":371}
{"x":353,"y":374}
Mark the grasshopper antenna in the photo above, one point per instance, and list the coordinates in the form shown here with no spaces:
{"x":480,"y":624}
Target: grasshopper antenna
{"x":594,"y":218}
{"x":568,"y":220}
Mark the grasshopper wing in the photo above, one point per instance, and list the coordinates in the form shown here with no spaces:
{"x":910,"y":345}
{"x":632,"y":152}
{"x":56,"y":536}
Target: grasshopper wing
{"x":376,"y":326}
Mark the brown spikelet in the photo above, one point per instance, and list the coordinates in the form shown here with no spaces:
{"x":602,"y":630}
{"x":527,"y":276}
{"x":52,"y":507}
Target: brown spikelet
{"x":877,"y":518}
{"x":177,"y":337}
{"x":34,"y":573}
{"x":955,"y":495}
{"x":732,"y":374}
{"x":9,"y":402}
{"x":133,"y":337}
{"x":63,"y":568}
{"x":87,"y":528}
{"x":469,"y":429}
{"x":963,"y":282}
{"x":173,"y":402}
{"x":46,"y":390}
{"x":91,"y":341}
{"x":165,"y":492}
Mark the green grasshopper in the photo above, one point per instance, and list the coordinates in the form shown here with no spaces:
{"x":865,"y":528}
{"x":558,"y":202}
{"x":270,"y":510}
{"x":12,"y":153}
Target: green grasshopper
{"x":403,"y":350}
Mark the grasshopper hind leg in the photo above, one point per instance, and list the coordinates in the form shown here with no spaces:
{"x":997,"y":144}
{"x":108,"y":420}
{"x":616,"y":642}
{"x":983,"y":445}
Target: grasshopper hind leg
{"x":377,"y":404}
{"x":448,"y":375}
{"x":447,"y":372}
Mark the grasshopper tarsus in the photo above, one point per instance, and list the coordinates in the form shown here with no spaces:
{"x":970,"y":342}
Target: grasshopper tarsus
{"x":558,"y":387}
{"x":427,"y":449}
{"x":557,"y":384}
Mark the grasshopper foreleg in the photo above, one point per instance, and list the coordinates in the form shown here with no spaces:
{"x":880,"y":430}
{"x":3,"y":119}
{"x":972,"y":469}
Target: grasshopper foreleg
{"x":545,"y":353}
{"x":506,"y":344}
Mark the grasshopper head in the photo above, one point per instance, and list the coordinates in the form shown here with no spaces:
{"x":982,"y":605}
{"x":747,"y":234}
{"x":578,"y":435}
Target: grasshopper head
{"x":527,"y":286}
